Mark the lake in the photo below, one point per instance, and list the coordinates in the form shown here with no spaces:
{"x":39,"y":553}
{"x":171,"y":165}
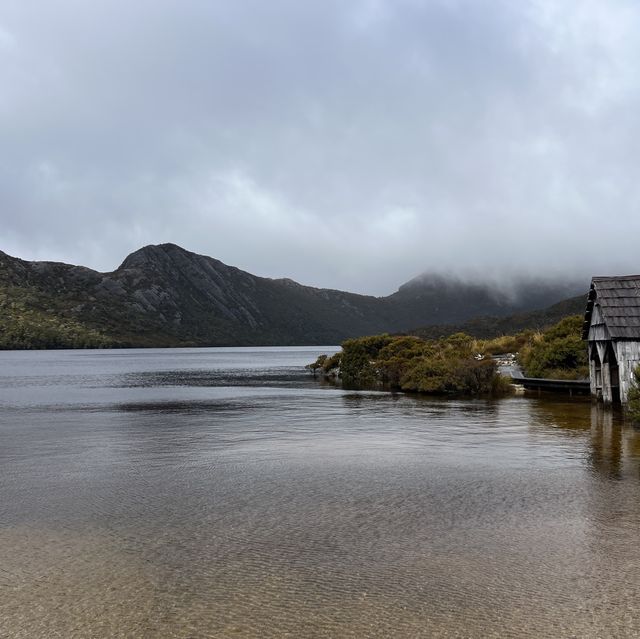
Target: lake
{"x":226,"y":493}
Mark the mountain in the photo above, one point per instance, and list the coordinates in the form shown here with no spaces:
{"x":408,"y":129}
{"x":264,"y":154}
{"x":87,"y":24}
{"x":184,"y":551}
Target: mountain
{"x":451,"y":300}
{"x":166,"y":296}
{"x":489,"y":327}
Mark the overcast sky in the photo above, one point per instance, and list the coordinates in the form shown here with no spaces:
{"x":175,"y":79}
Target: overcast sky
{"x":348,"y":144}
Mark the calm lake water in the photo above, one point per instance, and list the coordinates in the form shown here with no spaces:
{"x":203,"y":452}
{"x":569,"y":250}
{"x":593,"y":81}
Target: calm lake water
{"x":225,"y":493}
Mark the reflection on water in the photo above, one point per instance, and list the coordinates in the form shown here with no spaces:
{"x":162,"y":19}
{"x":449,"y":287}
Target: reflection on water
{"x":613,"y":450}
{"x":224,"y":493}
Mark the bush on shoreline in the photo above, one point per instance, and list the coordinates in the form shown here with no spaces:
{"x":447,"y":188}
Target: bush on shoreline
{"x":451,"y":365}
{"x":633,"y":403}
{"x":558,"y":353}
{"x":457,"y":364}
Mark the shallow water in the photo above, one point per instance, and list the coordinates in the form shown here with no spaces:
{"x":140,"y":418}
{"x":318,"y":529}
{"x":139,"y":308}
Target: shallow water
{"x":225,"y":493}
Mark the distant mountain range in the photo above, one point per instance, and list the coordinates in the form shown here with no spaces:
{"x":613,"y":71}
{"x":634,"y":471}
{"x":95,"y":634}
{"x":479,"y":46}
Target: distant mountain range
{"x":487,"y":327}
{"x":167,"y":296}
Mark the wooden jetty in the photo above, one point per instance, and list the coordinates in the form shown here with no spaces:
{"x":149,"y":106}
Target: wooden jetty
{"x":567,"y":386}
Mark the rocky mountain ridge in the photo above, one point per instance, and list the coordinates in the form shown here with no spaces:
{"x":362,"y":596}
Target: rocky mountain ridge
{"x":164,"y":295}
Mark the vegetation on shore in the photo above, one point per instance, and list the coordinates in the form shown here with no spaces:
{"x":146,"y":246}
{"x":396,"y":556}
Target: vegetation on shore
{"x":24,"y":327}
{"x":557,"y":353}
{"x":457,"y":364}
{"x":633,"y":403}
{"x":447,"y":366}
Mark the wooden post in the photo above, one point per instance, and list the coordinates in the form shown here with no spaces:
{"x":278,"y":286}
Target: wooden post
{"x":607,"y":393}
{"x":592,"y":374}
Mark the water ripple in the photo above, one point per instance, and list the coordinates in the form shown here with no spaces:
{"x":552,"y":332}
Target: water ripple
{"x":225,"y":493}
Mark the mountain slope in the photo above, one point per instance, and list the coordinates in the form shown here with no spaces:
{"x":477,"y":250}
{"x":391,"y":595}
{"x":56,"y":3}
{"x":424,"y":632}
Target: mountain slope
{"x":166,"y":296}
{"x":452,"y":301}
{"x":489,"y":327}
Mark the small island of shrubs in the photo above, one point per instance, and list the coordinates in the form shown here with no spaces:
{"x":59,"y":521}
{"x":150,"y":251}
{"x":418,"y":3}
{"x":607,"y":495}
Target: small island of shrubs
{"x":458,"y":364}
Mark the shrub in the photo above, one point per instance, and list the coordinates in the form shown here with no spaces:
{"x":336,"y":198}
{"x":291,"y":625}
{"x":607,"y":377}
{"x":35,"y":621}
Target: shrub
{"x":450,"y":374}
{"x":332,"y":362}
{"x":356,"y":367}
{"x":633,"y":403}
{"x":318,"y":364}
{"x":448,"y":365}
{"x":506,"y":343}
{"x":558,"y":353}
{"x":325,"y":364}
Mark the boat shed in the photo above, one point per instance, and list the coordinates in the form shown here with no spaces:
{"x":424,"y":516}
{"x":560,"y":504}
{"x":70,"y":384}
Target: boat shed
{"x":612,"y":328}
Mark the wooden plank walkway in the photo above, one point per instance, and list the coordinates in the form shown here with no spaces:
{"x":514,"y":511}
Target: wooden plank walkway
{"x":569,"y":386}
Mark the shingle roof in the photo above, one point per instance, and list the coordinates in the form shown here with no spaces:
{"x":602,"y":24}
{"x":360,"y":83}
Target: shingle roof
{"x":619,"y":302}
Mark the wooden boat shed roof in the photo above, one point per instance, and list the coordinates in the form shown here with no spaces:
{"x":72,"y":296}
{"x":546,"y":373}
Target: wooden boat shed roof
{"x":619,"y":302}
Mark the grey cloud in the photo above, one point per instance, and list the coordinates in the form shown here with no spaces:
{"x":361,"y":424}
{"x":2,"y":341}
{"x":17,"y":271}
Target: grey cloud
{"x":343,"y":144}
